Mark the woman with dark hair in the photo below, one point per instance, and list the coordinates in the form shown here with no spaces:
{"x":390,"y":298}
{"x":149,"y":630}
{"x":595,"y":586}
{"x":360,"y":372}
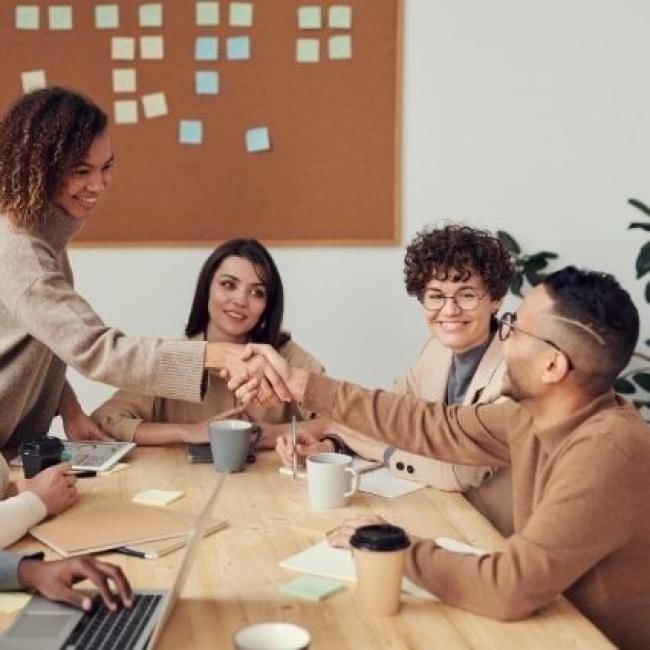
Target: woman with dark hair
{"x":238,"y":299}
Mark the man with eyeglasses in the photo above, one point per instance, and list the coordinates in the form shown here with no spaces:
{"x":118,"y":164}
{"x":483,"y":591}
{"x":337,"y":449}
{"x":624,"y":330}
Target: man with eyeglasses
{"x":579,"y":455}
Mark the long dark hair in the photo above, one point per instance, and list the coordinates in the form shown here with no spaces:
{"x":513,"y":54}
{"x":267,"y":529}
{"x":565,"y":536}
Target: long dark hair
{"x":269,"y":327}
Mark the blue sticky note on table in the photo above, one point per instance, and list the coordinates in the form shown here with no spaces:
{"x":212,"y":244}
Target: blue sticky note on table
{"x":206,"y":82}
{"x":190,"y":132}
{"x":311,"y":588}
{"x":238,"y":48}
{"x":206,"y":48}
{"x":257,"y":139}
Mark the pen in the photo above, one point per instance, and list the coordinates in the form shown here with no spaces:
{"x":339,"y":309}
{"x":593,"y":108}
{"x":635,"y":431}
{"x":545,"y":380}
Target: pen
{"x":294,"y":456}
{"x":125,"y":550}
{"x":88,"y":473}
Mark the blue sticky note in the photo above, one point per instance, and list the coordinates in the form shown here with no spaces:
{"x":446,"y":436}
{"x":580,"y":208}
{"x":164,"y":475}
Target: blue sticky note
{"x":190,"y":132}
{"x":238,"y":48}
{"x":206,"y":48}
{"x":207,"y":82}
{"x":257,"y":139}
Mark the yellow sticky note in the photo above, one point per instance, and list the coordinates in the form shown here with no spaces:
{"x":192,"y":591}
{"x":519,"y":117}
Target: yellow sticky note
{"x":154,"y":105}
{"x":157,"y":497}
{"x":241,"y":14}
{"x":33,"y":80}
{"x":118,"y":467}
{"x":124,"y":80}
{"x":60,"y":17}
{"x":107,"y":16}
{"x":309,"y":17}
{"x":126,"y":112}
{"x":151,"y":47}
{"x":12,"y":601}
{"x":27,"y":17}
{"x":150,"y":15}
{"x":340,"y":17}
{"x":340,"y":47}
{"x":122,"y":48}
{"x":307,"y":50}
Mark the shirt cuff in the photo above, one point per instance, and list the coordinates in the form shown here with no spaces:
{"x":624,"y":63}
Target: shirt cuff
{"x":9,"y":570}
{"x":320,"y":394}
{"x":181,"y":370}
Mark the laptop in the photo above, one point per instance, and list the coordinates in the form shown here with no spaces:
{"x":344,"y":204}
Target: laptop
{"x":44,"y":625}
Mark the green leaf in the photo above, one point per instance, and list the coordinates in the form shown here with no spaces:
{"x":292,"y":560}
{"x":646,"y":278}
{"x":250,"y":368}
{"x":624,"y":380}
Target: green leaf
{"x":639,"y":205}
{"x":516,"y":284}
{"x":643,"y":260}
{"x":647,"y":341}
{"x":624,"y":386}
{"x":638,"y":224}
{"x":641,"y":403}
{"x":647,"y":298}
{"x":642,"y":379}
{"x":533,"y":264}
{"x":508,"y":242}
{"x":534,"y":278}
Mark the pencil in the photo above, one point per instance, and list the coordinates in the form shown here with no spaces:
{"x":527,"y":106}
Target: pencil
{"x":294,"y":455}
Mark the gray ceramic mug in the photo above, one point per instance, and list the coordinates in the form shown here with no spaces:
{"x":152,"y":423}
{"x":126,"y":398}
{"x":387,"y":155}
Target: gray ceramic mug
{"x":231,"y":442}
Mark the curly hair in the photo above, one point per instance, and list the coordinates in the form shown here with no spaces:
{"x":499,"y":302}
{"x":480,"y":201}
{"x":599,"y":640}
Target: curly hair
{"x":42,"y":135}
{"x":453,"y":252}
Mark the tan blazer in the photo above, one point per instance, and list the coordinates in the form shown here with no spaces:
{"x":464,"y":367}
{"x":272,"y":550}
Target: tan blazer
{"x":489,"y":490}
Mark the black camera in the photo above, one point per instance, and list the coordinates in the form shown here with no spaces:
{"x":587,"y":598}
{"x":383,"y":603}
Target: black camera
{"x":40,"y":454}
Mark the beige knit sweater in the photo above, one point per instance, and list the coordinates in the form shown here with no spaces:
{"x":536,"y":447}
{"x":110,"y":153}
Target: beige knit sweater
{"x":45,"y":326}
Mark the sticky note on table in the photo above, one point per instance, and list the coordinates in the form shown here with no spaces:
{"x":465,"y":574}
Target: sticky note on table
{"x":151,"y":47}
{"x":12,"y":601}
{"x":307,"y":50}
{"x":311,"y":588}
{"x":206,"y":82}
{"x":309,"y":17}
{"x":340,"y":47}
{"x":120,"y":467}
{"x":207,"y":14}
{"x":339,"y":17}
{"x":125,"y":112}
{"x":190,"y":132}
{"x":206,"y":48}
{"x":241,"y":14}
{"x":150,"y":15}
{"x":154,"y":105}
{"x":122,"y":48}
{"x":60,"y":17}
{"x":33,"y":80}
{"x":27,"y":17}
{"x":124,"y":80}
{"x":257,"y":139}
{"x":238,"y":48}
{"x":107,"y":16}
{"x":157,"y":497}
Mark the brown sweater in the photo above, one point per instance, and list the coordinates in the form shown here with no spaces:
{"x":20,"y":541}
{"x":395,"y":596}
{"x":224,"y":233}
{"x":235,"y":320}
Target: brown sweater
{"x":581,"y":494}
{"x":45,"y":326}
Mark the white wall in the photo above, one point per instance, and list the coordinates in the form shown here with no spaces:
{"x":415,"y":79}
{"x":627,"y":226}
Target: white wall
{"x":528,"y":116}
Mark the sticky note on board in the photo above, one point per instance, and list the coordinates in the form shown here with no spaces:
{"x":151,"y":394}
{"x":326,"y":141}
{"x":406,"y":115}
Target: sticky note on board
{"x":124,"y":80}
{"x":238,"y":48}
{"x":151,"y":47}
{"x":125,"y":111}
{"x":107,"y":16}
{"x":122,"y":48}
{"x":340,"y":47}
{"x":207,"y":14}
{"x":27,"y":17}
{"x":309,"y":17}
{"x":150,"y":15}
{"x":154,"y":105}
{"x":190,"y":132}
{"x":339,"y":17}
{"x":206,"y":48}
{"x":307,"y":50}
{"x":12,"y":601}
{"x":257,"y":139}
{"x":157,"y":497}
{"x":60,"y":17}
{"x":241,"y":14}
{"x":312,"y":588}
{"x":206,"y":82}
{"x":33,"y":80}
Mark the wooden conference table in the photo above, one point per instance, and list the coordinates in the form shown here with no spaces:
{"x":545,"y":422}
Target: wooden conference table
{"x":235,"y":578}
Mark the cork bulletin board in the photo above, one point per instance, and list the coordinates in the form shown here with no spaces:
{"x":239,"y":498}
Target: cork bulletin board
{"x":277,"y":119}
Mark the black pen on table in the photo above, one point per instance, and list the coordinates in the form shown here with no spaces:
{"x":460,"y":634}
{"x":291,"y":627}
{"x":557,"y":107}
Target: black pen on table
{"x":82,"y":473}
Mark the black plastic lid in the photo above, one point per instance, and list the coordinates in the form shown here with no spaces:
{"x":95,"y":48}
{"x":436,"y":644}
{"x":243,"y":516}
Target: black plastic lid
{"x":380,"y":537}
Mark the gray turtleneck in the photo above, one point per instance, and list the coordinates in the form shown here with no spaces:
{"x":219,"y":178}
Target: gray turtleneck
{"x":462,"y":369}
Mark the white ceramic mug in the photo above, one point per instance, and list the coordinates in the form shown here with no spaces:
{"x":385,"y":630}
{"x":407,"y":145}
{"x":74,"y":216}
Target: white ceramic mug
{"x":272,"y":636}
{"x":330,"y":480}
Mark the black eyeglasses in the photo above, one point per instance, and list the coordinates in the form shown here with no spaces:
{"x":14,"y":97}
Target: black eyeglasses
{"x":465,"y":299}
{"x":507,"y":324}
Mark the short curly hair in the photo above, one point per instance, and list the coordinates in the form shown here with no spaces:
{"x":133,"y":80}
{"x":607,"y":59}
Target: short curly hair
{"x":42,"y":135}
{"x":453,"y":252}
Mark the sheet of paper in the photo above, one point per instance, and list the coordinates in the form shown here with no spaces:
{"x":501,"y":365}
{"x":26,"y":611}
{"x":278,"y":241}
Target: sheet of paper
{"x":455,"y":546}
{"x":150,"y":15}
{"x":339,"y":17}
{"x":207,"y":14}
{"x":340,"y":47}
{"x":124,"y":80}
{"x":33,"y":80}
{"x":60,"y":17}
{"x":206,"y":48}
{"x":382,"y":482}
{"x":309,"y":17}
{"x":207,"y":82}
{"x":311,"y":588}
{"x":123,"y":48}
{"x":152,"y":47}
{"x":125,"y":112}
{"x":157,"y":497}
{"x":238,"y":48}
{"x":120,"y":467}
{"x":190,"y":132}
{"x":12,"y":601}
{"x":307,"y":50}
{"x":27,"y":17}
{"x":107,"y":16}
{"x":154,"y":105}
{"x":241,"y":14}
{"x":257,"y":139}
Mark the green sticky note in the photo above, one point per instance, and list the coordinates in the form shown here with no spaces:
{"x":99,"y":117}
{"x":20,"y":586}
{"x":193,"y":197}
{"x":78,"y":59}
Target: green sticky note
{"x":307,"y":50}
{"x":151,"y":15}
{"x":27,"y":17}
{"x":340,"y":47}
{"x":340,"y":17}
{"x":309,"y":17}
{"x":60,"y":17}
{"x":241,"y":14}
{"x":207,"y":14}
{"x":311,"y":587}
{"x":107,"y":16}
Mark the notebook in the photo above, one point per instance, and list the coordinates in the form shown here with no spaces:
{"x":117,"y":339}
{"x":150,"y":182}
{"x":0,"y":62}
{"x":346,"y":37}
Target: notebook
{"x":384,"y":484}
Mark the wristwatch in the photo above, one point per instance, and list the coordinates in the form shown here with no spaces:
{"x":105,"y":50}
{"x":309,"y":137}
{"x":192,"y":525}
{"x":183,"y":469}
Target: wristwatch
{"x":339,"y":446}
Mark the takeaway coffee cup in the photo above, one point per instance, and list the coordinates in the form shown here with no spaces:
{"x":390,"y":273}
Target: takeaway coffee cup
{"x":230,"y":443}
{"x":379,"y":554}
{"x":330,"y":480}
{"x":272,"y":636}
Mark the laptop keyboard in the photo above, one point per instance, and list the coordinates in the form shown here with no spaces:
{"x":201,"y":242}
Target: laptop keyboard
{"x":102,"y":629}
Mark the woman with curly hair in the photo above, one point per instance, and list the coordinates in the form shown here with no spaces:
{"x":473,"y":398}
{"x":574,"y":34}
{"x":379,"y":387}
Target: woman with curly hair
{"x":460,"y":275}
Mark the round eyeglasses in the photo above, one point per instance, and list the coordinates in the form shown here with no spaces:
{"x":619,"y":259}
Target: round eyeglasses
{"x":465,"y":299}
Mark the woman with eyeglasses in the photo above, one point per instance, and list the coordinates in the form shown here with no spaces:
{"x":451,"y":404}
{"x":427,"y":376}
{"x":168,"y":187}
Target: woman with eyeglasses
{"x":460,"y":275}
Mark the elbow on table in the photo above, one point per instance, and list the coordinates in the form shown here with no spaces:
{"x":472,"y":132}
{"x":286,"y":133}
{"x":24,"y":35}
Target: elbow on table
{"x":511,"y":607}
